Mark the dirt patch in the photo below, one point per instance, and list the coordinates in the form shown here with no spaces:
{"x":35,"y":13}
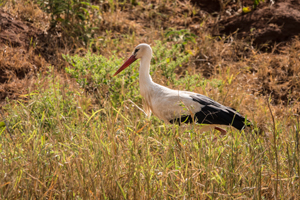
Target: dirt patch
{"x":270,"y":27}
{"x":18,"y":62}
{"x":209,"y":6}
{"x":268,"y":24}
{"x":275,"y":75}
{"x":229,"y":7}
{"x":15,"y":33}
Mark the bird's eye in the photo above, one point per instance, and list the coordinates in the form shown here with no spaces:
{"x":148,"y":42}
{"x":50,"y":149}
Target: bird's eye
{"x":136,"y":50}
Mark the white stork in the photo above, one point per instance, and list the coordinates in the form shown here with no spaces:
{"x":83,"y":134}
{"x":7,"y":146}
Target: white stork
{"x":173,"y":106}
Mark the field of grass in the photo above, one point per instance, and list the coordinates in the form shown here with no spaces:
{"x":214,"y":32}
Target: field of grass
{"x":79,"y":133}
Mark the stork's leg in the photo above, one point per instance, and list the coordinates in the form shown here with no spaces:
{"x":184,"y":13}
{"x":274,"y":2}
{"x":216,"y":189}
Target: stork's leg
{"x":223,"y":131}
{"x":211,"y":128}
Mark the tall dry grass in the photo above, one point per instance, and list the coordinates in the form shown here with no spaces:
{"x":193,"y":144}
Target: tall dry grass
{"x":84,"y":143}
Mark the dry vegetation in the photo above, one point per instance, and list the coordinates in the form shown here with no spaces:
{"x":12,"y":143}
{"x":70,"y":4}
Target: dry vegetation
{"x":77,"y":135}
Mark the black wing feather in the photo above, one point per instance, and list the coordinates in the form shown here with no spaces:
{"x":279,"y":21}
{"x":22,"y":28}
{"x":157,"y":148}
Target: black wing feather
{"x":213,"y":113}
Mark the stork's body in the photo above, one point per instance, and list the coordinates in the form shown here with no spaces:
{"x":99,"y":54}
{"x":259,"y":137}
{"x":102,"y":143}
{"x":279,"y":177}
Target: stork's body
{"x":174,"y":106}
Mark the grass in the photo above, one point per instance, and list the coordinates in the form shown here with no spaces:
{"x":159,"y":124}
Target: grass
{"x":66,"y":147}
{"x":78,"y":133}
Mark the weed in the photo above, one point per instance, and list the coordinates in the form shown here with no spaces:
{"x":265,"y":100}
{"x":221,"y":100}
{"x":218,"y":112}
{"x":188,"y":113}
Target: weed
{"x":74,"y":17}
{"x":256,"y":3}
{"x":181,"y":37}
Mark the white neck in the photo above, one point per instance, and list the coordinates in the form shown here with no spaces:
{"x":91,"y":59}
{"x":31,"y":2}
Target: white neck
{"x":144,"y":74}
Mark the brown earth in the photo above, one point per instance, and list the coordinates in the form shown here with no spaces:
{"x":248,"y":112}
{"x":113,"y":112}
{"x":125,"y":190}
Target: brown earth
{"x":208,"y":5}
{"x":273,"y":28}
{"x":24,"y":49}
{"x":213,"y":6}
{"x":269,"y":24}
{"x":16,"y":33}
{"x":18,"y":62}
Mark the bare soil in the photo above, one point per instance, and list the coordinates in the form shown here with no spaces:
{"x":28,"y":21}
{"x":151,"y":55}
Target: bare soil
{"x":229,"y":7}
{"x":24,"y":49}
{"x":16,"y":33}
{"x":208,"y":5}
{"x":268,"y":24}
{"x":271,"y":28}
{"x":18,"y":63}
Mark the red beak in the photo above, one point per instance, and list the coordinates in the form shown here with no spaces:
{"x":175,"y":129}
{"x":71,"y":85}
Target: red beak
{"x":126,"y":64}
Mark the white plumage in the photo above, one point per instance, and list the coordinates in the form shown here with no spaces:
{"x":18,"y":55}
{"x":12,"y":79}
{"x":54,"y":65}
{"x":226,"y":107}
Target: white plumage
{"x":178,"y":106}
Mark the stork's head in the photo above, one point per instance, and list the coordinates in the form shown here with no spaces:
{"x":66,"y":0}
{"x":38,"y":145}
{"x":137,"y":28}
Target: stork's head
{"x":140,"y":51}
